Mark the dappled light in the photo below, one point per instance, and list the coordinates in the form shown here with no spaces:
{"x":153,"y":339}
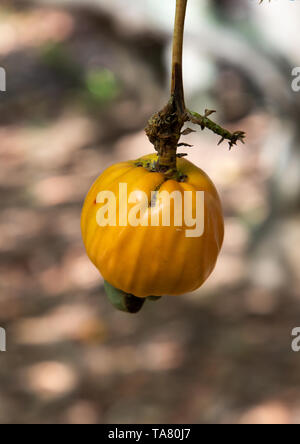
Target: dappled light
{"x":82,"y":83}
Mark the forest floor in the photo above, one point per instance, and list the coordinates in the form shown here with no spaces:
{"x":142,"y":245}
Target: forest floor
{"x":220,"y":355}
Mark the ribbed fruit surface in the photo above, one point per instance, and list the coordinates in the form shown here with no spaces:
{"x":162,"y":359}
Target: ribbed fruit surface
{"x":152,"y":260}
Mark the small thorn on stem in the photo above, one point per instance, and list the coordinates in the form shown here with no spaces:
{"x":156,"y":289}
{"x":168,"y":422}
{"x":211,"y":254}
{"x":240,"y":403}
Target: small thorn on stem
{"x":180,"y":155}
{"x":187,"y":131}
{"x":209,"y":112}
{"x":185,"y":144}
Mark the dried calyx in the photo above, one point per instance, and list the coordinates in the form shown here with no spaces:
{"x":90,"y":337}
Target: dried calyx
{"x":164,"y":131}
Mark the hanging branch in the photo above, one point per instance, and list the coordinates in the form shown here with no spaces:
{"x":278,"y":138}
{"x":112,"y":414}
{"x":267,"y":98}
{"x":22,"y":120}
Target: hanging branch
{"x":164,"y":129}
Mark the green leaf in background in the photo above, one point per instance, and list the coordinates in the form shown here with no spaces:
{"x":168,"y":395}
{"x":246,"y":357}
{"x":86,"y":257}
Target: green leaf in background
{"x":102,"y":84}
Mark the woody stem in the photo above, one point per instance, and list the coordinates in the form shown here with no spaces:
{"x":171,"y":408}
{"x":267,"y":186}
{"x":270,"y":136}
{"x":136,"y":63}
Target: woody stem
{"x":165,"y":128}
{"x":177,"y":79}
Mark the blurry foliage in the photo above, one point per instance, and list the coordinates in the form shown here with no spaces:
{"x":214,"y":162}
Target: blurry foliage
{"x":57,"y":57}
{"x":77,"y":101}
{"x":102,"y":85}
{"x":95,"y":86}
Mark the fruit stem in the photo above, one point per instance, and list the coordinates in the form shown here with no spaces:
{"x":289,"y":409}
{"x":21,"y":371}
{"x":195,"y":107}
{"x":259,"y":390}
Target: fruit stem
{"x":164,"y":129}
{"x":177,"y":90}
{"x":173,"y":120}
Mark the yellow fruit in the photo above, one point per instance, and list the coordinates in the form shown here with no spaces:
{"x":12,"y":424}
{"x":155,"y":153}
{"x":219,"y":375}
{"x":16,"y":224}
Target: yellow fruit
{"x":152,"y":260}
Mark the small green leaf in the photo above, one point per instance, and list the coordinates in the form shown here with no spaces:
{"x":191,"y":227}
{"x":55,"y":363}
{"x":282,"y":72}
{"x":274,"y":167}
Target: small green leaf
{"x":153,"y":298}
{"x":123,"y":301}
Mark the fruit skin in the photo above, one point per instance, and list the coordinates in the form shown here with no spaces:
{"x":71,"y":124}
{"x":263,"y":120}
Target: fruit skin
{"x":153,"y":260}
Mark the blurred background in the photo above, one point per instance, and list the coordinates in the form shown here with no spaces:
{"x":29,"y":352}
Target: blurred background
{"x":83,"y":77}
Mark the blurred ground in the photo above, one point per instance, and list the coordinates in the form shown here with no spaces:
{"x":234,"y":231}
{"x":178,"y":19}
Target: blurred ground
{"x":80,"y":90}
